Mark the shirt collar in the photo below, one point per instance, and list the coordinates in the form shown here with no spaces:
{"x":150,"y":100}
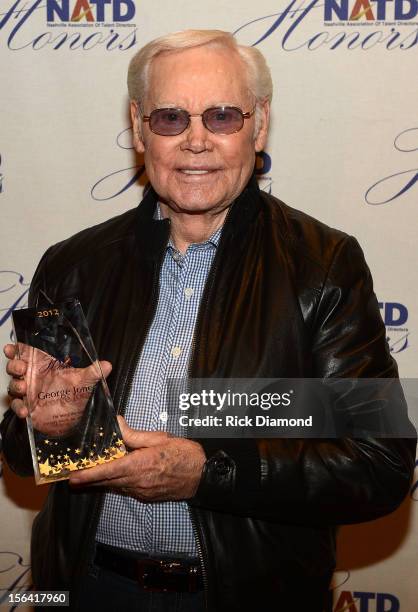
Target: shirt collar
{"x":212,"y":240}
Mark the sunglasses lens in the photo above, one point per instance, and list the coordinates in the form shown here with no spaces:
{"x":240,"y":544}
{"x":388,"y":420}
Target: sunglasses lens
{"x":168,"y":121}
{"x":223,"y":120}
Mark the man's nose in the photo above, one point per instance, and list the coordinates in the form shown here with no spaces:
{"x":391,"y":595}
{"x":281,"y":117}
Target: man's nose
{"x":196,"y":137}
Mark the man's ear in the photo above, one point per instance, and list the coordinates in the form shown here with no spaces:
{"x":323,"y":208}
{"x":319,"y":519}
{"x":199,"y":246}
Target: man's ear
{"x":136,"y":128}
{"x":264,"y":119}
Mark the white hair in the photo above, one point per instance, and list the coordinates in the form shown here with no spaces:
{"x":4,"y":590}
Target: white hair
{"x":258,"y":72}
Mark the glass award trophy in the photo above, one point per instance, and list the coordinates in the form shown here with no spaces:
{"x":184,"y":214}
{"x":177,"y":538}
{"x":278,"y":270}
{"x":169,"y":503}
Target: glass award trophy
{"x":72,"y":423}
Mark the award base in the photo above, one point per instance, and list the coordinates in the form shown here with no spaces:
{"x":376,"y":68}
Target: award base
{"x":55,"y":461}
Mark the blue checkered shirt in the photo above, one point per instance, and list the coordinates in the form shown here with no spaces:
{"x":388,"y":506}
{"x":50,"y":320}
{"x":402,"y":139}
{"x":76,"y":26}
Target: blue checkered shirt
{"x":161,"y":527}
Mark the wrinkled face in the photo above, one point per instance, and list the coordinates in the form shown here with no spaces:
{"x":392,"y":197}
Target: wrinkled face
{"x":198,"y":171}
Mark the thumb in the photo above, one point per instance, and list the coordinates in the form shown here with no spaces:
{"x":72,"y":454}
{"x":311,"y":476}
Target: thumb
{"x":93,"y":372}
{"x":106,"y":368}
{"x":131,"y":437}
{"x":136,"y":438}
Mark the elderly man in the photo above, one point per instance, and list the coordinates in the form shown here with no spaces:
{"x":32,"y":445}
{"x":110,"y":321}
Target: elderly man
{"x":209,"y":278}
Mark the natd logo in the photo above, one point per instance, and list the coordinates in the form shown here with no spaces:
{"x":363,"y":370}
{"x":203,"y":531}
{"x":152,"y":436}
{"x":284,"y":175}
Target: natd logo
{"x":395,"y":316}
{"x":99,"y":11}
{"x":262,"y":171}
{"x":370,"y":10}
{"x":362,"y":601}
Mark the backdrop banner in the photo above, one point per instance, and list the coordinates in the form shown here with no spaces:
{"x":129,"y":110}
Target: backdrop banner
{"x":343,"y":147}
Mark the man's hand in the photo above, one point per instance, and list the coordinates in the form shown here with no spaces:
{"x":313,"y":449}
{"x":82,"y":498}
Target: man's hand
{"x":159,"y":468}
{"x":17,"y":387}
{"x":58,"y":393}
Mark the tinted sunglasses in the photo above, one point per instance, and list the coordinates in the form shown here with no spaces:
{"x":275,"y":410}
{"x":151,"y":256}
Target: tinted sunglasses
{"x":217,"y":119}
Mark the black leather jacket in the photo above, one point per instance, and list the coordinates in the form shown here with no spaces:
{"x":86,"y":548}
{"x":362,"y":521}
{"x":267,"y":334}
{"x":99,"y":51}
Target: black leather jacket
{"x":286,"y":297}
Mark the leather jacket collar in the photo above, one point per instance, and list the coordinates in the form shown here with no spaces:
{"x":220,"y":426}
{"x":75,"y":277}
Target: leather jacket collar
{"x":153,"y":234}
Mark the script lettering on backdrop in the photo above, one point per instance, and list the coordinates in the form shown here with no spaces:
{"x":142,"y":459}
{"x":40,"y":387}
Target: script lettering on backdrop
{"x":392,"y":187}
{"x":13,"y":294}
{"x":75,"y":25}
{"x":115,"y":183}
{"x":14,"y":578}
{"x":353,"y":25}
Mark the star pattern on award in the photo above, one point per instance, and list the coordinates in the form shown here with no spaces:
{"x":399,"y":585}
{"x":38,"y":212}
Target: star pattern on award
{"x":64,"y":459}
{"x":45,"y":468}
{"x":72,"y":466}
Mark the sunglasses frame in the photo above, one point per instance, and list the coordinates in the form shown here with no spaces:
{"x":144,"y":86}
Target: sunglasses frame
{"x":147,"y":118}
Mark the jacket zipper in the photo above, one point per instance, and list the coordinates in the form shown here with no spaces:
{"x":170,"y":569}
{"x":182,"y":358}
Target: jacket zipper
{"x":199,"y":540}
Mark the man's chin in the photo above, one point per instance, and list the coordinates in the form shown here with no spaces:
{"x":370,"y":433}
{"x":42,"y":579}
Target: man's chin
{"x":195,"y":203}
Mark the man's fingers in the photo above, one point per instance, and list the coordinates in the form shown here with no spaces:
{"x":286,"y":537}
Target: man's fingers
{"x":9,"y":350}
{"x":101,"y":473}
{"x":135,"y":438}
{"x":16,"y":367}
{"x":17,"y":387}
{"x":19,"y":408}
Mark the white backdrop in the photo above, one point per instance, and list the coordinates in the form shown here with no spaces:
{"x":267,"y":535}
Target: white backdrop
{"x":343,"y":147}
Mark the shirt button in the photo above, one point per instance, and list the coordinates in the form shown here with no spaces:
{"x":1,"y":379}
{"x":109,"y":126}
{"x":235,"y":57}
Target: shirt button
{"x":176,"y":255}
{"x":176,"y":351}
{"x":188,"y":292}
